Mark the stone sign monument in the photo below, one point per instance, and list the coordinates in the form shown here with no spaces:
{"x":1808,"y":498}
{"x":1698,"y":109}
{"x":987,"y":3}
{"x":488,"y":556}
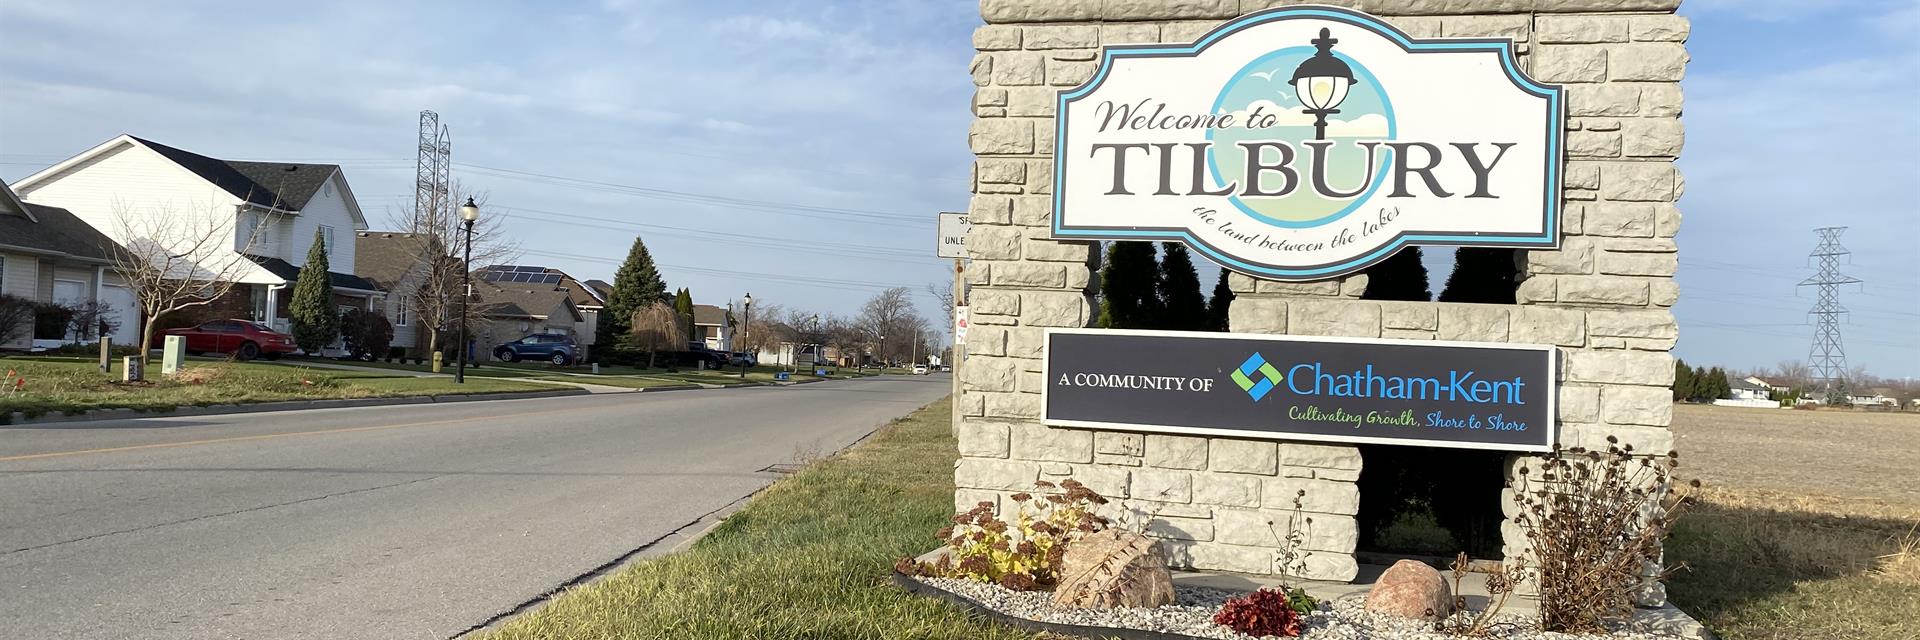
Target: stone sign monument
{"x":1296,"y":145}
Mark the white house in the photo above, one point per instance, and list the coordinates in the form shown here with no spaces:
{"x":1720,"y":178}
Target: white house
{"x":48,"y":255}
{"x":273,"y":210}
{"x":1750,"y":392}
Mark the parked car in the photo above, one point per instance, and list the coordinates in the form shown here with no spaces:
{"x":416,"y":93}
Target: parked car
{"x":743,"y":359}
{"x":946,"y":368}
{"x":697,"y":354}
{"x":559,"y":350}
{"x":243,"y":339}
{"x":920,"y":370}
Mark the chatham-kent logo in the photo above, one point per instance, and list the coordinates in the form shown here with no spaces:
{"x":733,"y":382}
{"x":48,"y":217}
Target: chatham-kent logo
{"x":1258,"y":378}
{"x":1256,"y":364}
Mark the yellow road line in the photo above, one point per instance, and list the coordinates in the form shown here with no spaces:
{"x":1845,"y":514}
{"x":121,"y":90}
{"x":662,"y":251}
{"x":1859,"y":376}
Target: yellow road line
{"x":269,"y":436}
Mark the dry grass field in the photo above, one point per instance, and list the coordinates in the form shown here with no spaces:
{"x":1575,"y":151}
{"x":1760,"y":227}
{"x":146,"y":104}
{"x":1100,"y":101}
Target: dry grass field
{"x":1808,"y":527}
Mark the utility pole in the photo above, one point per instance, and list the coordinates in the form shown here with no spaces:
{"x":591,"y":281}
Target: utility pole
{"x":1828,"y":357}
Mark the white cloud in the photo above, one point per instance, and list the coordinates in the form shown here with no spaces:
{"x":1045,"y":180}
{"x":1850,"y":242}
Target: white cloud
{"x":1370,"y":125}
{"x":768,"y":28}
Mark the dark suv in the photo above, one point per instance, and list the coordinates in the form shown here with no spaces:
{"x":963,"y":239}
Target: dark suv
{"x":559,"y":350}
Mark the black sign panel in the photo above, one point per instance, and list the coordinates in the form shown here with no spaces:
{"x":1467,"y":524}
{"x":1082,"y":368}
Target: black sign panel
{"x":1419,"y":393}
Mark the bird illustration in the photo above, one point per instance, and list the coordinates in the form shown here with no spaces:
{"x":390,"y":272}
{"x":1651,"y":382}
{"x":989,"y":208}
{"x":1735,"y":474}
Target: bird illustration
{"x":1264,"y":75}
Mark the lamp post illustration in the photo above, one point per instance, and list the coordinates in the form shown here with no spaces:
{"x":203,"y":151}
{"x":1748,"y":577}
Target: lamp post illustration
{"x":1322,"y":82}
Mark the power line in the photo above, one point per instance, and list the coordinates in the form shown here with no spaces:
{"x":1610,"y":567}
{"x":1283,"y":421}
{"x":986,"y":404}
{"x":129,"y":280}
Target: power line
{"x":830,"y":283}
{"x":865,"y":216}
{"x":759,"y":243}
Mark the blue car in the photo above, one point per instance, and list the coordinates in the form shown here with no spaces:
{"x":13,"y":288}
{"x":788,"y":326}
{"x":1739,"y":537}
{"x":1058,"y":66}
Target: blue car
{"x":559,"y":350}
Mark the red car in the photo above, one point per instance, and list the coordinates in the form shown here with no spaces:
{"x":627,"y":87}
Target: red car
{"x":245,"y":339}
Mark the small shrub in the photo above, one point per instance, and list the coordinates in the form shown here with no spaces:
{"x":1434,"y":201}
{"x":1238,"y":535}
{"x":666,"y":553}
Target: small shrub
{"x":1023,"y":554}
{"x":367,"y":334}
{"x":1500,"y":586}
{"x":1595,"y":521}
{"x":1267,"y":612}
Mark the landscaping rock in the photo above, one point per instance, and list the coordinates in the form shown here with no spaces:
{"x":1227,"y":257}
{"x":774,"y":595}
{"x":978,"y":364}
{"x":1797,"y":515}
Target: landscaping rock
{"x":1411,"y":589}
{"x":1113,"y":568}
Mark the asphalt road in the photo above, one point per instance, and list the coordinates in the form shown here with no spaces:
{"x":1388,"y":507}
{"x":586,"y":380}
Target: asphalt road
{"x":382,"y":522}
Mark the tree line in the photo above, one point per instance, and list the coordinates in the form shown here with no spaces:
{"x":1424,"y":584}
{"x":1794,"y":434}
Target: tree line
{"x":1147,"y":287}
{"x":642,"y":318}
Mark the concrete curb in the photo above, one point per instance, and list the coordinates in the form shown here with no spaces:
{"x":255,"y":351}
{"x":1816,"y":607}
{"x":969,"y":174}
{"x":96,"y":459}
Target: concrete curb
{"x":19,"y":420}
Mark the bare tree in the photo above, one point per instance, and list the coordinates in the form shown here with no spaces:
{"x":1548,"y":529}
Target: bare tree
{"x":173,"y":262}
{"x":657,"y":327}
{"x":760,"y":329}
{"x":439,"y":259}
{"x":890,"y":318}
{"x":1791,"y":372}
{"x":807,"y":330}
{"x":846,"y":337}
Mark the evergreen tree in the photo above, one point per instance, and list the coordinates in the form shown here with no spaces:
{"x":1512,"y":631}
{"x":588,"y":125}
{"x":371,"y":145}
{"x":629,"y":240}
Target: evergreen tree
{"x":683,"y":305}
{"x":315,"y":321}
{"x":1682,"y":381}
{"x":1401,"y":276}
{"x":1181,"y":307}
{"x":1482,"y":275}
{"x":635,"y":285}
{"x":1702,"y":384}
{"x":1129,"y":297}
{"x":1218,"y":305}
{"x":1718,"y":387}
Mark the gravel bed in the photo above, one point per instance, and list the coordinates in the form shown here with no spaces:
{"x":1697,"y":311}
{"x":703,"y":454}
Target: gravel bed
{"x":1192,"y":614}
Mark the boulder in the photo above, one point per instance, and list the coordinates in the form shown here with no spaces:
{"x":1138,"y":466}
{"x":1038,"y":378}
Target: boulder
{"x":1411,"y":589}
{"x":1113,"y":568}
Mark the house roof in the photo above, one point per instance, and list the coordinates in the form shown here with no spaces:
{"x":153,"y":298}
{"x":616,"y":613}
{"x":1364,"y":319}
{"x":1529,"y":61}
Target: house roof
{"x":709,"y":315}
{"x":522,"y":300}
{"x":386,"y":257}
{"x":55,"y":231}
{"x":281,"y":185}
{"x":601,"y":288}
{"x":10,"y":202}
{"x":1743,"y":385}
{"x":581,"y":294}
{"x":286,"y":271}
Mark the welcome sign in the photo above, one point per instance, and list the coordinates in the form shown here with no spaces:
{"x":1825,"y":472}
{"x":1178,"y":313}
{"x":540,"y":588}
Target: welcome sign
{"x":1304,"y":143}
{"x":1423,"y":393}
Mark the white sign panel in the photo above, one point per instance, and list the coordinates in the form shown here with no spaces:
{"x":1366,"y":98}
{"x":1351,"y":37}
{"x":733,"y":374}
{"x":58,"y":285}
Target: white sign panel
{"x":1304,"y":143}
{"x":953,"y":235}
{"x":962,"y":320}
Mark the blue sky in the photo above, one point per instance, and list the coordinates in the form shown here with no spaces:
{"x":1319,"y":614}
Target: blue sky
{"x":798,"y":149}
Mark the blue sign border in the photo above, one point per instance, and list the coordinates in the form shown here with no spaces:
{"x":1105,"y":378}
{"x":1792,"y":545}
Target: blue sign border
{"x":1556,"y":137}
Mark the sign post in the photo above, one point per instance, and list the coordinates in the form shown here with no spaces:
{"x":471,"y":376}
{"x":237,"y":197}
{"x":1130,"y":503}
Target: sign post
{"x":953,"y":244}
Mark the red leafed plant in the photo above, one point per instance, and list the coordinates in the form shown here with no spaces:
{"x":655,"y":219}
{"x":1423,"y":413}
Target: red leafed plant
{"x":1266,"y":612}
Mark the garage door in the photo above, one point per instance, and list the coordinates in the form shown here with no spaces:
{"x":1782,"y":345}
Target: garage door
{"x":126,"y":311}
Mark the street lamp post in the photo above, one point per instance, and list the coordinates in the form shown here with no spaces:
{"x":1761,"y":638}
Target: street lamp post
{"x":469,"y":212}
{"x":746,"y":329}
{"x":1322,"y":82}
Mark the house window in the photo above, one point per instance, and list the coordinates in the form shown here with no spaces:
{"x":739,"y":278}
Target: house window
{"x":326,"y":239}
{"x":400,"y":311}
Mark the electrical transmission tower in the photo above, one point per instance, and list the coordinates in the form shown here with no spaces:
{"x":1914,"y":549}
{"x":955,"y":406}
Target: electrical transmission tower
{"x":432,"y":173}
{"x":1828,"y":357}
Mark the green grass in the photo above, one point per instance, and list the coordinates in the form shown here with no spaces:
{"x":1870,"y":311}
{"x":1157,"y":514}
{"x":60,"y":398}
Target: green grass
{"x":1767,"y":565}
{"x":807,"y":559}
{"x":490,"y":370}
{"x":73,"y":386}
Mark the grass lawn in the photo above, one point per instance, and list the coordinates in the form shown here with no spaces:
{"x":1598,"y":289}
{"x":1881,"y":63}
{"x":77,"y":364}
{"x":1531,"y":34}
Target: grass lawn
{"x":1800,"y":534}
{"x":807,"y":559}
{"x":69,"y":386}
{"x":491,"y":370}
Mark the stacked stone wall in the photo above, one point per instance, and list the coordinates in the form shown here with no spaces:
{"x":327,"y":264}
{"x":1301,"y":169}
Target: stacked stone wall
{"x":1225,"y":504}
